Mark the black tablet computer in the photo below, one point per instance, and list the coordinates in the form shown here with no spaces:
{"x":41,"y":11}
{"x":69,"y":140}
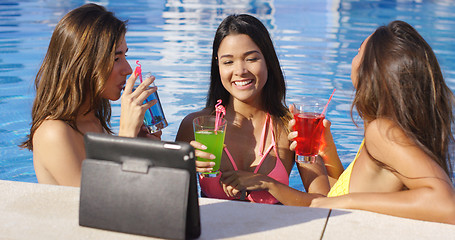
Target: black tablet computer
{"x":139,"y":186}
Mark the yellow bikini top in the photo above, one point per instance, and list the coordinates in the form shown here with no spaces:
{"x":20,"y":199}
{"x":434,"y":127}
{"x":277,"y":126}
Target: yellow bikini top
{"x":341,"y":187}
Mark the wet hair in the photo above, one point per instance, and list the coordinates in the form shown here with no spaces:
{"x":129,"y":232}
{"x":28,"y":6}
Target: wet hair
{"x":274,"y":92}
{"x":77,"y":64}
{"x":399,"y":79}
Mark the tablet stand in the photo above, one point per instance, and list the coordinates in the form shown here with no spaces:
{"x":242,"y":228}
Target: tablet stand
{"x":134,"y":197}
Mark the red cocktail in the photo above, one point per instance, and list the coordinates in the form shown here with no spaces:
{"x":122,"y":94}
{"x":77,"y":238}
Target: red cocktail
{"x":308,"y":115}
{"x":309,"y":127}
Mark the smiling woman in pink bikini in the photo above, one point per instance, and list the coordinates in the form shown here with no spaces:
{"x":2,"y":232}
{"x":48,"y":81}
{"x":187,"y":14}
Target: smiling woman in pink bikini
{"x":246,"y":76}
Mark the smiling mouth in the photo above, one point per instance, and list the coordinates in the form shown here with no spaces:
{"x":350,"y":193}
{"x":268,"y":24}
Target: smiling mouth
{"x":242,"y":83}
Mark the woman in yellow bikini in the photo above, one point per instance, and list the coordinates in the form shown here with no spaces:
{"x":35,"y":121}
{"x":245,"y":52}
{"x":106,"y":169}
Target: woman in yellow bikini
{"x":403,"y":165}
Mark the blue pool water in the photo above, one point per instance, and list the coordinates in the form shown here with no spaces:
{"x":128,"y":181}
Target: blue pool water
{"x":315,"y":41}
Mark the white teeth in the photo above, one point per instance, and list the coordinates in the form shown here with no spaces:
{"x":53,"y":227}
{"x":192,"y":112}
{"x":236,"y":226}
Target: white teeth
{"x":242,"y":83}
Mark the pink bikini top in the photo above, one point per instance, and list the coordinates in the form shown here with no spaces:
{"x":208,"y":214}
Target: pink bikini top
{"x":211,"y":187}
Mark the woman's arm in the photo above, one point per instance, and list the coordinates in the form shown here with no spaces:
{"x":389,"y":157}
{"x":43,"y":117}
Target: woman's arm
{"x":429,"y":204}
{"x":329,"y":154}
{"x":234,"y":182}
{"x":314,"y":178}
{"x":431,"y":195}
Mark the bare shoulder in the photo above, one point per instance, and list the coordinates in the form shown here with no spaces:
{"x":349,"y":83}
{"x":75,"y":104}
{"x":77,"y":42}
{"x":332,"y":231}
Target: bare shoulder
{"x":58,"y":136}
{"x":383,"y":129}
{"x":58,"y":152}
{"x":185,"y":132}
{"x":383,"y":137}
{"x":53,"y":131}
{"x":389,"y":144}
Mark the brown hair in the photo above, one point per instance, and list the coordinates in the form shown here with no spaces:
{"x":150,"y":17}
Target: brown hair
{"x":78,"y":62}
{"x":399,"y":78}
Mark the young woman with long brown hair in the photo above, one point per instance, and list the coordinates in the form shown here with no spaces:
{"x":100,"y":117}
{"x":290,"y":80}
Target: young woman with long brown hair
{"x":403,"y":167}
{"x":85,"y":67}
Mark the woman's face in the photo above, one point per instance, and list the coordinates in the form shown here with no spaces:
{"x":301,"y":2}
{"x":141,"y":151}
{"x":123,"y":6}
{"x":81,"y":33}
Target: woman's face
{"x":356,"y":62}
{"x":117,"y":78}
{"x":242,"y":66}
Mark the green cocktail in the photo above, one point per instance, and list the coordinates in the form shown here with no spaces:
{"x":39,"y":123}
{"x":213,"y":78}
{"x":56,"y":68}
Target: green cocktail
{"x":214,"y":143}
{"x":204,"y":132}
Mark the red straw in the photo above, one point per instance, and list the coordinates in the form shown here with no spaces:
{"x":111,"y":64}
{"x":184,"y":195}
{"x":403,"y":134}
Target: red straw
{"x":220,"y":111}
{"x":325,"y":108}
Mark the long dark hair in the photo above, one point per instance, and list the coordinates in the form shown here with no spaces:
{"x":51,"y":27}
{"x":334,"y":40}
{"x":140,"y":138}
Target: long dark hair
{"x":274,"y":91}
{"x":400,"y":79}
{"x":77,"y":64}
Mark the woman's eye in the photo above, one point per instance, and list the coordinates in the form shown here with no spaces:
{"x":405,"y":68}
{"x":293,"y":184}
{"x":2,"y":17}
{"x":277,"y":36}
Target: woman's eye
{"x":117,"y":58}
{"x":227,"y":62}
{"x":252,"y":59}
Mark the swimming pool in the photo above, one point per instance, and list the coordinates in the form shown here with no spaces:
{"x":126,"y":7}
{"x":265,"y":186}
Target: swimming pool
{"x":315,"y":40}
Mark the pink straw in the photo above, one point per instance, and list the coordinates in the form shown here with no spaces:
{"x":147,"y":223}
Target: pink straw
{"x":220,"y":111}
{"x":325,"y":108}
{"x":138,"y":70}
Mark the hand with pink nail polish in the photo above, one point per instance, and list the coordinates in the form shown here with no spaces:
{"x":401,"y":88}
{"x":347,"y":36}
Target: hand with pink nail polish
{"x":202,"y":166}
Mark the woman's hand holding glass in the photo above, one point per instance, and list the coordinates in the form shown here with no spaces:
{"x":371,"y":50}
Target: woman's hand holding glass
{"x":132,"y":106}
{"x":327,"y":144}
{"x":202,"y":166}
{"x":327,"y":148}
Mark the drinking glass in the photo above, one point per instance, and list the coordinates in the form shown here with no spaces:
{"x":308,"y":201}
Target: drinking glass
{"x":308,"y":124}
{"x":212,"y":137}
{"x":154,"y":118}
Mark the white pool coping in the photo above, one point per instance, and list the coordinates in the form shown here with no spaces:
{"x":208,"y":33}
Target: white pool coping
{"x":38,"y":211}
